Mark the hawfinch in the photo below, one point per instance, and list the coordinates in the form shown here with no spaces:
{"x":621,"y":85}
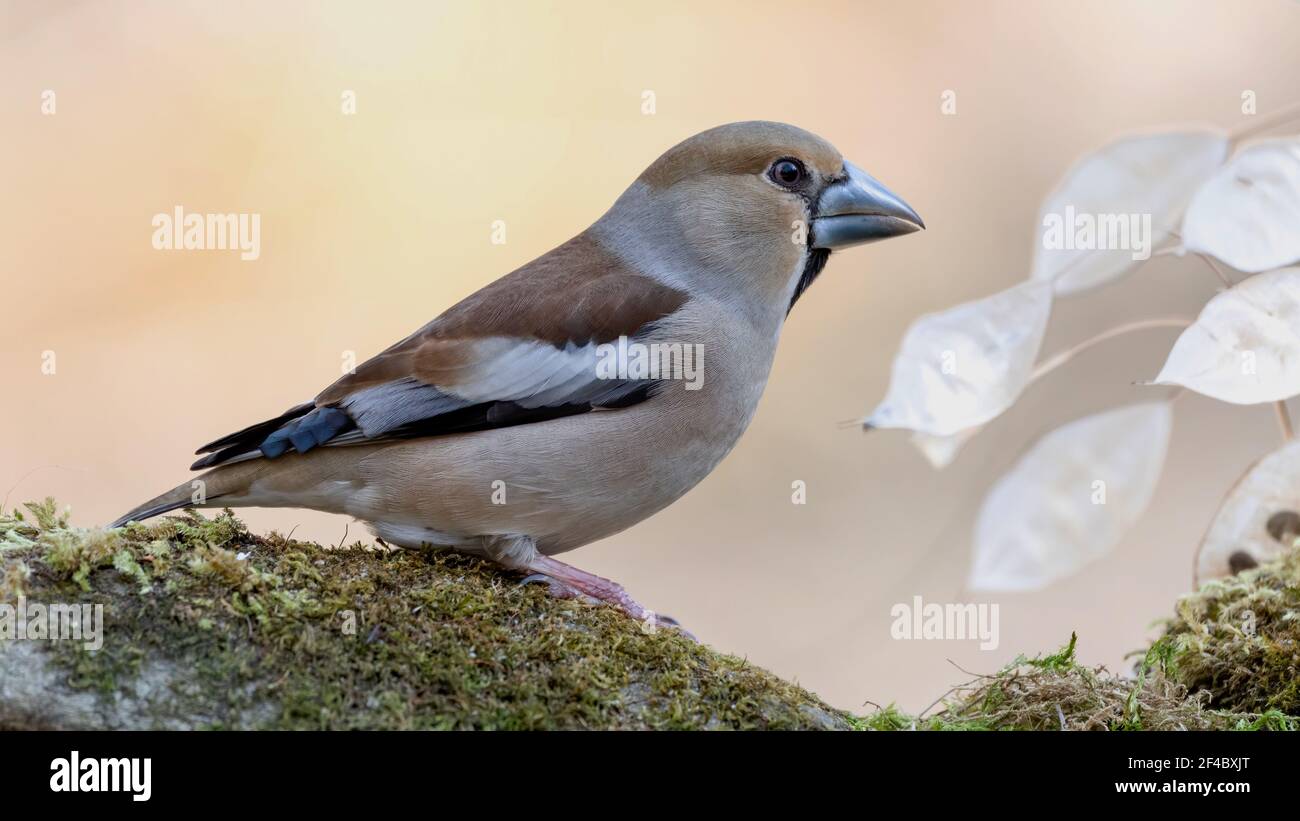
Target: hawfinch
{"x":552,"y":407}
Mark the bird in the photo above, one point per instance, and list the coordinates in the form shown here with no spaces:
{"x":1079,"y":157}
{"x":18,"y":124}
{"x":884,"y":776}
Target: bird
{"x":493,"y":431}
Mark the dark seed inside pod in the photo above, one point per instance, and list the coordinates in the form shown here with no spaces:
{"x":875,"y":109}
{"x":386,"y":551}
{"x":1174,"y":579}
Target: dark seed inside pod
{"x":1241,"y":560}
{"x":1284,"y":526}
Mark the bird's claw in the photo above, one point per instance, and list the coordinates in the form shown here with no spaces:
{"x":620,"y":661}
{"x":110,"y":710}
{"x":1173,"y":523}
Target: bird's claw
{"x":558,"y":589}
{"x":661,"y":620}
{"x":649,"y":620}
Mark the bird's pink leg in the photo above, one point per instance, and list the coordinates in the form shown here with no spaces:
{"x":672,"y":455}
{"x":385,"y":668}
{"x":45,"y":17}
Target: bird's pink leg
{"x":568,"y":581}
{"x":587,"y":584}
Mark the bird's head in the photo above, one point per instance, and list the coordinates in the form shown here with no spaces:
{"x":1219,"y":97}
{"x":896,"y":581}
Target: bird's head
{"x":756,"y":205}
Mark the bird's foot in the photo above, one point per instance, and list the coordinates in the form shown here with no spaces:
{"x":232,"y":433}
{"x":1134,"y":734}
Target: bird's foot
{"x":567,"y":582}
{"x":557,"y":588}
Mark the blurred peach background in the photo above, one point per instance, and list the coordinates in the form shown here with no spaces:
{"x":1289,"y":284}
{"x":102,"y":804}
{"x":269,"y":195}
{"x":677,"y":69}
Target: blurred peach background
{"x":531,"y":113}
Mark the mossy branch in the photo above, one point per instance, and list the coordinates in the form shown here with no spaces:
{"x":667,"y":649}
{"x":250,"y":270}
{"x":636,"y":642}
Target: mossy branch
{"x":208,"y":625}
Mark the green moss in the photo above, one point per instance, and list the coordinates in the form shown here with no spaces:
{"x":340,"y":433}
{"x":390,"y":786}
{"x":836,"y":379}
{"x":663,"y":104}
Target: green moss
{"x":1055,"y":692}
{"x":1238,"y":639}
{"x":209,"y":625}
{"x":207,"y":621}
{"x":1228,"y":660}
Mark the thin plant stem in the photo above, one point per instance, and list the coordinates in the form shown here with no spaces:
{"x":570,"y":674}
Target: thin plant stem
{"x":1219,"y":272}
{"x":1284,"y":420}
{"x":1282,"y":116}
{"x":1057,"y":360}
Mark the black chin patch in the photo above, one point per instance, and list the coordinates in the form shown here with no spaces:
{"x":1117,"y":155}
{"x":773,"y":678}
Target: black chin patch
{"x":812,"y":268}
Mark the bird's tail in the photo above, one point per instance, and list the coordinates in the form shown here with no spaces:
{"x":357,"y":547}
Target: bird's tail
{"x":204,"y":491}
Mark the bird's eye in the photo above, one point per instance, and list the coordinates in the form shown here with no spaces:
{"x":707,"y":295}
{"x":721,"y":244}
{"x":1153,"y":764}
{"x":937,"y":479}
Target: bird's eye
{"x":787,"y":172}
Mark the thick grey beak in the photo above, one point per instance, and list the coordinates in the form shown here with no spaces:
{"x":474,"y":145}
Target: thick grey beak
{"x":859,"y":209}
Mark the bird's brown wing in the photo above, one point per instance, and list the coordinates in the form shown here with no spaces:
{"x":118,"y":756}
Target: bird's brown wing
{"x":520,"y":350}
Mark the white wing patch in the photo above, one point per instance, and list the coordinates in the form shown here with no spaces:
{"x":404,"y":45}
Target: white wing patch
{"x":528,"y":373}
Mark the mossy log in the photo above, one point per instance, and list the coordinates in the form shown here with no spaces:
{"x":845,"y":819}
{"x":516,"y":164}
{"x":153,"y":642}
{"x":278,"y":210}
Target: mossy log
{"x":206,"y":625}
